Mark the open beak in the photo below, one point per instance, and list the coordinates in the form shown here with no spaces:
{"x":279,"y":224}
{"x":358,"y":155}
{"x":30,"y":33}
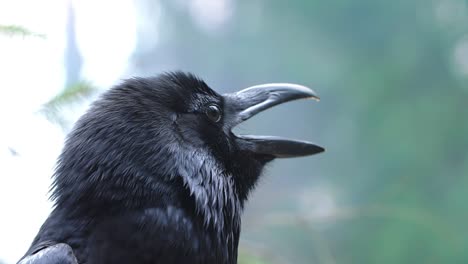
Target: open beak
{"x":244,"y":104}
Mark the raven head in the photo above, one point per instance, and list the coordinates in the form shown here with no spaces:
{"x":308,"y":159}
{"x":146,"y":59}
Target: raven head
{"x":172,"y":130}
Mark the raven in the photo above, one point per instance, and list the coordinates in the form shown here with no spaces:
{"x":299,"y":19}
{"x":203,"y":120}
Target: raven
{"x":152,"y":173}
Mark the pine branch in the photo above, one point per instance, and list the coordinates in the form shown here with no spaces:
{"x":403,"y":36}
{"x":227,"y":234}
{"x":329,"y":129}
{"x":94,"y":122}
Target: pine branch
{"x":15,"y":30}
{"x":70,"y":96}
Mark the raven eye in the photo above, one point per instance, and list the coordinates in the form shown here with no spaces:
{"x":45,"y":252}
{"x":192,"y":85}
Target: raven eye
{"x":213,"y":113}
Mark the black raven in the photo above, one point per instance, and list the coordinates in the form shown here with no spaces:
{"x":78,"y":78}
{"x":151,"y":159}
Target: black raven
{"x":153,"y":174}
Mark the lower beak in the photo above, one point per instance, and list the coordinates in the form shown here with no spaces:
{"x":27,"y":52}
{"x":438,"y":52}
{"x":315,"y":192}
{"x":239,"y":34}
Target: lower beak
{"x":244,"y":104}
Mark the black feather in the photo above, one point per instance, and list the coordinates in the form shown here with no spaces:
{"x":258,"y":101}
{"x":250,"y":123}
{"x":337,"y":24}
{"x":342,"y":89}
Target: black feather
{"x":144,"y":177}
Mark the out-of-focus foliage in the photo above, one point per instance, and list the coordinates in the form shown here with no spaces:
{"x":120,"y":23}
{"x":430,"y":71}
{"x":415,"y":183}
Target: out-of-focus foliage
{"x":245,"y":258}
{"x":15,"y":30}
{"x":71,"y":95}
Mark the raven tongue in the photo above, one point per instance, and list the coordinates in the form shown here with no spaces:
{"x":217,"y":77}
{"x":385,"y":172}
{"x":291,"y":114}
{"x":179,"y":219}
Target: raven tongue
{"x":279,"y":147}
{"x":246,"y":103}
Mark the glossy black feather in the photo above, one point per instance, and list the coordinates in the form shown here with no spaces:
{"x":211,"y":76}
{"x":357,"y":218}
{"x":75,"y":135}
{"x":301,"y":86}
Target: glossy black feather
{"x":145,"y":177}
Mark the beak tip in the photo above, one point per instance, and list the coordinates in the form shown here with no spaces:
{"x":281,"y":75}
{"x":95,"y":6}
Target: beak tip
{"x":312,"y":94}
{"x":315,"y":149}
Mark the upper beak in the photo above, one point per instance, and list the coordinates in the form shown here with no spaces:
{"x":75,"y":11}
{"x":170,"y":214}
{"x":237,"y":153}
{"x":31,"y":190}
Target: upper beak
{"x":246,"y":103}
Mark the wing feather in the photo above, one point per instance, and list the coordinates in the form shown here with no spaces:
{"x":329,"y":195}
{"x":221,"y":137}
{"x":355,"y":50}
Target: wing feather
{"x":51,"y":254}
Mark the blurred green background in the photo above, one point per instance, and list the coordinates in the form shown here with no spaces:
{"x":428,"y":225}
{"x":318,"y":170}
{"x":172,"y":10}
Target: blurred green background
{"x":392,"y":186}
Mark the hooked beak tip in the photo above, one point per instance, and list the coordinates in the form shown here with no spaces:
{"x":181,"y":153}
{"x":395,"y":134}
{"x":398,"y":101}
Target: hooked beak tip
{"x":315,"y":98}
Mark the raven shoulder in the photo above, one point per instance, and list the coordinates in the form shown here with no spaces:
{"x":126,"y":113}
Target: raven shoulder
{"x":169,"y":234}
